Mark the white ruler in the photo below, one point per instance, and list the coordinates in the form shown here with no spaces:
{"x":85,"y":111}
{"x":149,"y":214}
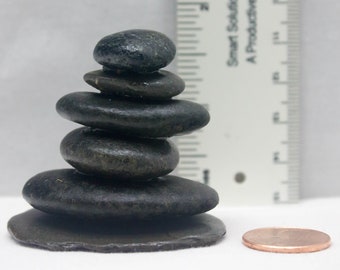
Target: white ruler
{"x":239,"y":58}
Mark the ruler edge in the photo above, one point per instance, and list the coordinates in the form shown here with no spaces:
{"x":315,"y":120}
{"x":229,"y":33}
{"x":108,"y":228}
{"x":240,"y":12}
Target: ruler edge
{"x":293,"y":74}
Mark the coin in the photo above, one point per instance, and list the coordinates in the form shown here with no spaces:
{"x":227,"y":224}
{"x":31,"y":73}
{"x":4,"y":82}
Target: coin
{"x":286,"y":240}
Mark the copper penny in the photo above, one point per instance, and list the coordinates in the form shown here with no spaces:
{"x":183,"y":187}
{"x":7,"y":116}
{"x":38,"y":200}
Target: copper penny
{"x":286,"y":240}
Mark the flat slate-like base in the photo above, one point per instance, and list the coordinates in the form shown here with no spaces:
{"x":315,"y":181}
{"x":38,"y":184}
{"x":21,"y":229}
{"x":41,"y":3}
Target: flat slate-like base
{"x":38,"y":229}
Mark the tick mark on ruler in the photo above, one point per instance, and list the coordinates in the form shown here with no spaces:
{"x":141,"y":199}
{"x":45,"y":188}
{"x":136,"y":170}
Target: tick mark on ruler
{"x":287,"y":182}
{"x":281,"y":42}
{"x":280,"y":83}
{"x":193,"y":79}
{"x":278,"y":2}
{"x":281,"y":162}
{"x":188,"y":143}
{"x":186,"y":73}
{"x":187,"y":16}
{"x":186,"y":9}
{"x":190,"y":99}
{"x":188,"y":162}
{"x":188,"y":169}
{"x":187,"y":67}
{"x":192,"y":3}
{"x":186,"y":22}
{"x":189,"y":29}
{"x":188,"y":175}
{"x":194,"y":156}
{"x":190,"y":92}
{"x":188,"y":137}
{"x":187,"y":149}
{"x":188,"y":41}
{"x":192,"y":54}
{"x":186,"y":35}
{"x":187,"y":48}
{"x":186,"y":60}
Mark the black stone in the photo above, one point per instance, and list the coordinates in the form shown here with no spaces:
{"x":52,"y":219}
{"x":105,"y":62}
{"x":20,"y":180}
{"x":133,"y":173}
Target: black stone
{"x":37,"y":229}
{"x":67,"y":192}
{"x":104,"y":154}
{"x":119,"y":196}
{"x":157,"y":85}
{"x":147,"y":119}
{"x":137,"y":50}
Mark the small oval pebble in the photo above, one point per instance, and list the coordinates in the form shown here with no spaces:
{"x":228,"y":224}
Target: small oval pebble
{"x":157,"y":85}
{"x":147,"y":119}
{"x":100,"y":153}
{"x":67,"y":192}
{"x":140,"y":51}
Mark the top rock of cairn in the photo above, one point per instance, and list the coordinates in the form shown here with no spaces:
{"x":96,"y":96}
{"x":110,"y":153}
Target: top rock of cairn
{"x":140,"y":51}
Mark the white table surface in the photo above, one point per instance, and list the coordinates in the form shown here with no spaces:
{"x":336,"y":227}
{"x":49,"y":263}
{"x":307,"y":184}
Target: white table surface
{"x":230,"y":253}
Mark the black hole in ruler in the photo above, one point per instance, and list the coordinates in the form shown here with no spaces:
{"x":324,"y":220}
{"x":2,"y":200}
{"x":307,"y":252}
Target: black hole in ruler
{"x":240,"y":177}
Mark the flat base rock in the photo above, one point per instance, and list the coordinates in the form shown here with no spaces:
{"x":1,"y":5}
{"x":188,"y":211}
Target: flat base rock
{"x":37,"y":229}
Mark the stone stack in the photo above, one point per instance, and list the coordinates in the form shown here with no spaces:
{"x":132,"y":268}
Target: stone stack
{"x":119,"y":197}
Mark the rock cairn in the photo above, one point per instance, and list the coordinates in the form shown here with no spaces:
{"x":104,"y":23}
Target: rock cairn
{"x":122,"y":159}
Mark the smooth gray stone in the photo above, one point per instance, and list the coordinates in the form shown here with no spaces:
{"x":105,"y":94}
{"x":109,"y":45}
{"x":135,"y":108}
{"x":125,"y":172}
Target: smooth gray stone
{"x":157,"y":85}
{"x":67,"y":192}
{"x":131,"y":117}
{"x":100,"y":153}
{"x":36,"y":229}
{"x":136,"y":50}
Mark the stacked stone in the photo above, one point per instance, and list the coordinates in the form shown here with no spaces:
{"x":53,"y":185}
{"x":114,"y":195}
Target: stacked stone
{"x":122,"y":157}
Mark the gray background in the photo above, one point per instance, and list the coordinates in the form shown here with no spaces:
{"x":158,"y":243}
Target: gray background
{"x":46,"y":47}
